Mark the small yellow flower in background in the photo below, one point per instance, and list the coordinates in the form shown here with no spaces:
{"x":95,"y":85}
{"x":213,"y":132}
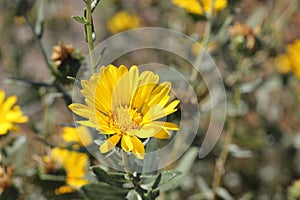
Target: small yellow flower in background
{"x":126,"y":105}
{"x":80,"y":135}
{"x":74,"y":163}
{"x":10,"y":114}
{"x":290,"y":61}
{"x":283,"y":64}
{"x":194,"y":7}
{"x":123,"y":21}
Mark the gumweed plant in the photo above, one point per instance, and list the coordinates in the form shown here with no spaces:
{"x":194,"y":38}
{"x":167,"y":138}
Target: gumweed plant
{"x":126,"y":106}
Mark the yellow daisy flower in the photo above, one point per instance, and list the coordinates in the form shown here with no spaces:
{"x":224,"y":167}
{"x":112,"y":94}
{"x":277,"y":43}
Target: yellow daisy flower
{"x":123,"y":21}
{"x":74,"y":163}
{"x":126,"y":105}
{"x":10,"y":114}
{"x":290,"y":61}
{"x":193,"y":6}
{"x":79,"y":134}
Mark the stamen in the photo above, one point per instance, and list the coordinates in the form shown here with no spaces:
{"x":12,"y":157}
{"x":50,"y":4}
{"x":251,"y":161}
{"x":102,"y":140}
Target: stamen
{"x":125,"y":118}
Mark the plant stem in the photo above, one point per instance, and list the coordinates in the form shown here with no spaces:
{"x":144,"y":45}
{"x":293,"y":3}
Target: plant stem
{"x":126,"y":164}
{"x":220,"y":163}
{"x":41,"y":46}
{"x":89,"y":32}
{"x":205,"y":40}
{"x":57,"y":86}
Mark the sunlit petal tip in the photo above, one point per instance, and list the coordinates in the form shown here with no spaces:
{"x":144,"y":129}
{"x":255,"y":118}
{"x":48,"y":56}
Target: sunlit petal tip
{"x":139,"y":149}
{"x":110,"y":143}
{"x":126,"y":143}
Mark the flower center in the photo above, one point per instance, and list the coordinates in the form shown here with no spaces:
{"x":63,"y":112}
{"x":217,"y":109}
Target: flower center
{"x":125,"y":118}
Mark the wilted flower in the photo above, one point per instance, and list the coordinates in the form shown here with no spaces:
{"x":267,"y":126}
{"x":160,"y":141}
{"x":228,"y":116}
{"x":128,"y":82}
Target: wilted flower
{"x":244,"y":39}
{"x":5,"y":177}
{"x":200,"y":7}
{"x":79,"y":135}
{"x":126,"y":105}
{"x":290,"y":61}
{"x":10,"y":114}
{"x":74,"y":164}
{"x":123,"y":21}
{"x":66,"y":62}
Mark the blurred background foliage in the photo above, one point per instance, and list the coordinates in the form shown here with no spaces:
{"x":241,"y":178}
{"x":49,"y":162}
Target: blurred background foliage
{"x":260,"y":35}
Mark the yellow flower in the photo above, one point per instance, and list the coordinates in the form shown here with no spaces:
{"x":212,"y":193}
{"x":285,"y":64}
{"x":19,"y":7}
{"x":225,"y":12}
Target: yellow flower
{"x":283,"y":64}
{"x":126,"y":105}
{"x":193,"y":6}
{"x":10,"y":114}
{"x":79,"y":134}
{"x":291,"y":60}
{"x":123,"y":21}
{"x":74,"y":163}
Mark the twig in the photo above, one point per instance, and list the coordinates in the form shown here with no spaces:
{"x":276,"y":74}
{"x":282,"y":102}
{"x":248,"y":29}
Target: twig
{"x":58,"y":87}
{"x":220,"y":163}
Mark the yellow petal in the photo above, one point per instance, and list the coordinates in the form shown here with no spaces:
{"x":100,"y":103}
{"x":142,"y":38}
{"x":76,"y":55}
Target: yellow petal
{"x":147,"y":82}
{"x":126,"y":143}
{"x":125,"y":88}
{"x":147,"y":131}
{"x":159,"y":93}
{"x":4,"y":127}
{"x":2,"y":96}
{"x":86,"y":123}
{"x":81,"y":110}
{"x":10,"y":101}
{"x":163,"y":134}
{"x":165,"y":125}
{"x":110,"y":143}
{"x":283,"y":64}
{"x":171,"y":107}
{"x":138,"y":148}
{"x":157,"y":111}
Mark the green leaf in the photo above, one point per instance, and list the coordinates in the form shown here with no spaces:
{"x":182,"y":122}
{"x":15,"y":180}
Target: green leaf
{"x":79,"y":19}
{"x":187,"y":161}
{"x":104,"y":191}
{"x":157,"y":181}
{"x":169,"y":180}
{"x":116,"y":179}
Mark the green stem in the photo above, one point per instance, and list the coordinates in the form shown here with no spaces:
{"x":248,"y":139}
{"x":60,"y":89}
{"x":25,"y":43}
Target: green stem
{"x":126,"y":164}
{"x":220,"y":163}
{"x":89,"y":32}
{"x":205,"y":40}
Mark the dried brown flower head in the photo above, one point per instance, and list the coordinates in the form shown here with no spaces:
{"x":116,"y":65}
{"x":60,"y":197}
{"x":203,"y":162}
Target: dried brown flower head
{"x":245,"y":38}
{"x":5,"y":177}
{"x":66,"y":62}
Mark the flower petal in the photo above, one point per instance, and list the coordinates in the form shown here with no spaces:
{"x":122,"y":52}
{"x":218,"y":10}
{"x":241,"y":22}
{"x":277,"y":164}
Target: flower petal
{"x":138,"y":148}
{"x":146,"y":131}
{"x":165,"y":125}
{"x":81,"y":110}
{"x":110,"y":143}
{"x":126,"y":143}
{"x":163,"y":134}
{"x":10,"y":101}
{"x":125,"y":88}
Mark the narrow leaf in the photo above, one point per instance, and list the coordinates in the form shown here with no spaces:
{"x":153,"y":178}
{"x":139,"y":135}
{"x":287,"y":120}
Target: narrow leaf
{"x":79,"y":19}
